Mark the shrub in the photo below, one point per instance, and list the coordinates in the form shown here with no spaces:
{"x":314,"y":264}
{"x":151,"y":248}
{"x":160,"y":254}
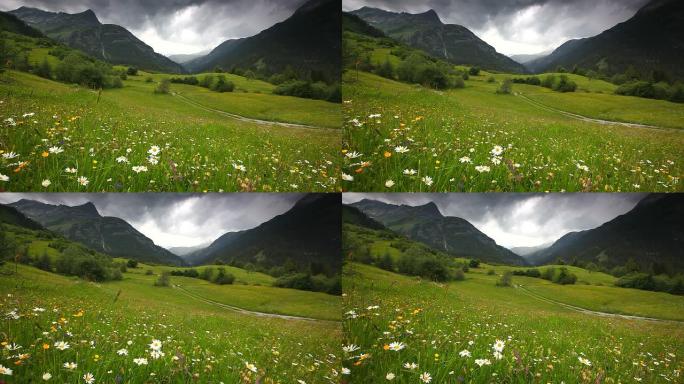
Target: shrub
{"x":506,"y":87}
{"x":44,"y":69}
{"x":491,"y":79}
{"x":223,"y":85}
{"x":132,"y":71}
{"x":149,"y":79}
{"x":207,"y":273}
{"x":491,"y":272}
{"x":506,"y":280}
{"x":149,"y":272}
{"x":164,"y":87}
{"x":385,"y":70}
{"x":548,"y":81}
{"x":474,"y":263}
{"x":222,"y":277}
{"x":549,"y":273}
{"x":458,"y":275}
{"x":132,"y":263}
{"x":474,"y":71}
{"x":564,"y":84}
{"x":163,"y":280}
{"x":564,"y":277}
{"x":457,"y":82}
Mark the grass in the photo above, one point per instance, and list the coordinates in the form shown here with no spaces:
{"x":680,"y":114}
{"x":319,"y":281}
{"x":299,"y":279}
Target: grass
{"x":450,"y":133}
{"x":200,"y":150}
{"x":200,"y":342}
{"x":543,"y":342}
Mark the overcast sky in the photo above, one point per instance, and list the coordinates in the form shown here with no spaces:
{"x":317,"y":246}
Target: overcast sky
{"x":177,"y":26}
{"x":519,"y":219}
{"x":519,"y":26}
{"x":175,"y":220}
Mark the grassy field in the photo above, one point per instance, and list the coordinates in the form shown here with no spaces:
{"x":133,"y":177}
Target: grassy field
{"x":450,"y":331}
{"x":401,"y":137}
{"x":107,"y":144}
{"x":109,"y":328}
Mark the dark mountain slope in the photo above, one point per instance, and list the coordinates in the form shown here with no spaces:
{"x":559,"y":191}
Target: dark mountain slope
{"x":651,"y":233}
{"x":309,"y":41}
{"x":11,"y":23}
{"x":652,"y":39}
{"x":10,"y":215}
{"x":110,"y":235}
{"x":451,"y":42}
{"x":426,"y":224}
{"x":108,"y":42}
{"x":308,"y":235}
{"x":352,"y":215}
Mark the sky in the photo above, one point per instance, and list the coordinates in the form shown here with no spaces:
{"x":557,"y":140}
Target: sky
{"x":519,"y":26}
{"x":177,"y":219}
{"x":519,"y":219}
{"x":177,"y":26}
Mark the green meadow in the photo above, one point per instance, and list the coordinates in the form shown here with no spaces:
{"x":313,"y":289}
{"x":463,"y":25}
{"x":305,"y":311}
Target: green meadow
{"x":404,"y":137}
{"x":410,"y":330}
{"x":110,"y":329}
{"x":59,"y":137}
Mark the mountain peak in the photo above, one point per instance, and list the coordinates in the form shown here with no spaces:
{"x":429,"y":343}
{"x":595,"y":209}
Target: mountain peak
{"x":429,"y":209}
{"x":429,"y":16}
{"x":88,"y":208}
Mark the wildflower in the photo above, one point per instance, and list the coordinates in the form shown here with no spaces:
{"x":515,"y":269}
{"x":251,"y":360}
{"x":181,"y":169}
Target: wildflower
{"x":465,"y":159}
{"x":47,"y":376}
{"x":481,"y":362}
{"x":156,"y":354}
{"x":251,"y":367}
{"x":353,"y":154}
{"x":62,"y":345}
{"x":153,"y":160}
{"x":239,"y":167}
{"x":70,"y":366}
{"x":46,"y":183}
{"x":482,"y":168}
{"x":410,"y":366}
{"x":139,"y":168}
{"x":389,"y":183}
{"x":499,"y":345}
{"x":396,"y":346}
{"x":122,"y":352}
{"x":390,"y":376}
{"x":464,"y":353}
{"x":400,"y":149}
{"x":10,"y":121}
{"x":427,"y":180}
{"x":122,"y":159}
{"x":55,"y":150}
{"x":497,"y":150}
{"x":154,"y":150}
{"x":498,"y":355}
{"x":155,"y":345}
{"x":30,"y":114}
{"x":4,"y":177}
{"x":140,"y":361}
{"x":5,"y":371}
{"x":582,"y":167}
{"x":374,"y":116}
{"x":89,"y":378}
{"x":584,"y":361}
{"x":350,"y":348}
{"x":346,"y":177}
{"x":410,"y":172}
{"x":425,"y":377}
{"x":496,"y":160}
{"x":387,"y":154}
{"x":9,"y":155}
{"x":70,"y":170}
{"x":83,"y":180}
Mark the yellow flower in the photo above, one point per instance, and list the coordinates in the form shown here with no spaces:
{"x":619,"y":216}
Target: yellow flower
{"x":45,"y":154}
{"x":46,"y":346}
{"x":388,"y":154}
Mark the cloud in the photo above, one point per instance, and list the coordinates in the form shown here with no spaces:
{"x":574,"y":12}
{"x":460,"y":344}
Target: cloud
{"x":177,"y":26}
{"x":177,"y":219}
{"x":519,"y":26}
{"x":519,"y":219}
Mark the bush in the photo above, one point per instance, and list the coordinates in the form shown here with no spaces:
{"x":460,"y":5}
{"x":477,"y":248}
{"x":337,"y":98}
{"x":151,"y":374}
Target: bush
{"x":223,"y":85}
{"x":491,"y":79}
{"x":564,"y":84}
{"x":222,"y":277}
{"x":474,"y":71}
{"x":132,"y":263}
{"x":207,"y":274}
{"x":458,"y":275}
{"x":385,"y":70}
{"x":564,"y":277}
{"x":132,"y":71}
{"x":149,"y":79}
{"x":44,"y":69}
{"x":457,"y":82}
{"x":491,"y":272}
{"x":506,"y":280}
{"x":474,"y":263}
{"x":506,"y":87}
{"x":164,"y":87}
{"x":163,"y":280}
{"x":548,"y":81}
{"x":149,"y":272}
{"x":549,"y":273}
{"x":309,"y":90}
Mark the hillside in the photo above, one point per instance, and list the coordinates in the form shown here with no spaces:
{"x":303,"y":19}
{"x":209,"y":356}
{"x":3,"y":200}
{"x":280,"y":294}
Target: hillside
{"x":426,"y":224}
{"x":108,"y":42}
{"x":309,"y":42}
{"x":84,"y":224}
{"x":653,"y":39}
{"x":11,"y":23}
{"x":652,"y":234}
{"x":450,"y":42}
{"x":308,"y":236}
{"x":12,"y":216}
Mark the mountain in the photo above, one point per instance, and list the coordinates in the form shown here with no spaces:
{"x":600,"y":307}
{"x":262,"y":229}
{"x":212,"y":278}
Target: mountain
{"x":353,"y":23}
{"x":309,"y":41}
{"x":526,"y":251}
{"x":652,"y":39}
{"x":184,"y":58}
{"x":526,"y":58}
{"x":10,"y":215}
{"x":85,"y":225}
{"x":183,"y":251}
{"x":108,"y":42}
{"x":352,"y":215}
{"x":426,"y":224}
{"x":308,"y":235}
{"x":451,"y":42}
{"x":11,"y":23}
{"x":652,"y":233}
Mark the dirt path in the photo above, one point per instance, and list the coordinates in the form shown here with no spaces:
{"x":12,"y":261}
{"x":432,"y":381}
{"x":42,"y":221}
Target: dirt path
{"x":589,"y":311}
{"x":250,"y":120}
{"x":245,"y":311}
{"x":592,"y":120}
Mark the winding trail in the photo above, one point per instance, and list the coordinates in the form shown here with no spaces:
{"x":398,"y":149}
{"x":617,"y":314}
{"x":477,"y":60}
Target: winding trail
{"x":246,"y":311}
{"x":591,"y":312}
{"x":590,"y":119}
{"x":249,"y":119}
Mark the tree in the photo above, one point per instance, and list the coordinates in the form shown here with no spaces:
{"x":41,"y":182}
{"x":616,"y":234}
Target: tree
{"x":474,"y":71}
{"x":506,"y":87}
{"x":164,"y":87}
{"x":132,"y":71}
{"x":385,"y":70}
{"x":7,"y":246}
{"x":132,"y":263}
{"x":44,"y":262}
{"x":506,"y":280}
{"x":164,"y":280}
{"x":44,"y":69}
{"x":223,"y":278}
{"x":386,"y":262}
{"x":207,"y":273}
{"x":474,"y":263}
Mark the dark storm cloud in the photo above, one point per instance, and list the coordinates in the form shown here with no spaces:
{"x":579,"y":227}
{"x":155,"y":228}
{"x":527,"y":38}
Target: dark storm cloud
{"x":177,"y":219}
{"x":177,"y":26}
{"x":520,"y":219}
{"x":519,"y":26}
